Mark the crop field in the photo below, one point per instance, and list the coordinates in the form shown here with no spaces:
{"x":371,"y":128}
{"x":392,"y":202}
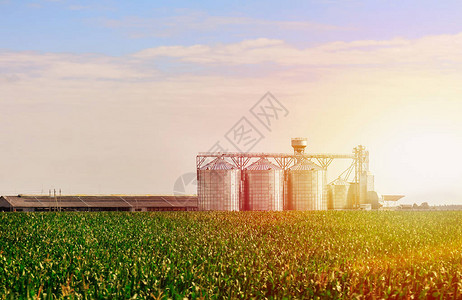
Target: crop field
{"x":231,"y":255}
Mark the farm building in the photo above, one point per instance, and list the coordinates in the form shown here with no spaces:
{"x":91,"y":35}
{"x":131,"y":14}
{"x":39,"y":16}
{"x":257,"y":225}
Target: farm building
{"x":283,"y":181}
{"x":98,"y":203}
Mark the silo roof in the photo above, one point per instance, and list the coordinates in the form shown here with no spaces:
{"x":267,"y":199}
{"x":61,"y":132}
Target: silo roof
{"x":263,"y":164}
{"x":218,"y":164}
{"x":306,"y":165}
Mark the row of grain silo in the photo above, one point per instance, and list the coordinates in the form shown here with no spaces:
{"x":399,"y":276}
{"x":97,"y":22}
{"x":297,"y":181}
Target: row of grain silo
{"x":262,"y":186}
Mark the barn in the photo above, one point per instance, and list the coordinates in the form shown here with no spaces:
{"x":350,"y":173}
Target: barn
{"x":98,"y":203}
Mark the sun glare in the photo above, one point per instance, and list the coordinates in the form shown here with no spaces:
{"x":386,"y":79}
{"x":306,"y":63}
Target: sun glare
{"x":427,"y":162}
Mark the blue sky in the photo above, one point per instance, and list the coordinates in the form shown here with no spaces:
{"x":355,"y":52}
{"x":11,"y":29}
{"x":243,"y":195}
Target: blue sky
{"x":119,"y":97}
{"x":121,"y":27}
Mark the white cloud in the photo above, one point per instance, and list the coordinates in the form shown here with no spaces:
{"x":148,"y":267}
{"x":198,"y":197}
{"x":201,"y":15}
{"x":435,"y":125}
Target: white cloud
{"x":426,"y":50}
{"x":268,"y":55}
{"x":121,"y":118}
{"x":70,"y":66}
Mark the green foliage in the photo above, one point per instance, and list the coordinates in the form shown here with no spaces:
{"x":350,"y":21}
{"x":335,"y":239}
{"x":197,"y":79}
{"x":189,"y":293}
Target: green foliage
{"x":330,"y":254}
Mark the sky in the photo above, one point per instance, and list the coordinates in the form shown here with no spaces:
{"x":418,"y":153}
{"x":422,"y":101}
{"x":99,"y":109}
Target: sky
{"x":118,"y":97}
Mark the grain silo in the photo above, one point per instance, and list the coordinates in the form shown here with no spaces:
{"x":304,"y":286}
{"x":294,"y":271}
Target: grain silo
{"x":218,"y":186}
{"x":264,"y":184}
{"x":353,"y":197}
{"x":337,"y":195}
{"x":306,"y":187}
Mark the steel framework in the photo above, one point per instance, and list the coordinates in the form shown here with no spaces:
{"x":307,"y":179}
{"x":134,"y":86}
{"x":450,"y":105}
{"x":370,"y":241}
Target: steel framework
{"x":359,"y":164}
{"x":285,"y":161}
{"x":359,"y":157}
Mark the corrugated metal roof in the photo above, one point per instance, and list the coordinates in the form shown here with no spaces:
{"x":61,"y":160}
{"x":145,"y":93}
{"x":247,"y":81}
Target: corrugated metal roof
{"x":306,"y":165}
{"x":263,"y":164}
{"x":101,"y":201}
{"x":392,"y":197}
{"x":218,"y":164}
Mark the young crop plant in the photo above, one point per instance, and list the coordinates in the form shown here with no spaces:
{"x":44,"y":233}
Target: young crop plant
{"x":173,"y":255}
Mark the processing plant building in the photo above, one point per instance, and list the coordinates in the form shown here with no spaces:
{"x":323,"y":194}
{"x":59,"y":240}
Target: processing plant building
{"x":98,"y":203}
{"x":235,"y":181}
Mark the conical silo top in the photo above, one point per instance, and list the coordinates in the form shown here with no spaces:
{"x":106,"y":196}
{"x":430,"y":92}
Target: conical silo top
{"x":305,"y":165}
{"x":339,"y":181}
{"x":218,"y":164}
{"x":263,"y":164}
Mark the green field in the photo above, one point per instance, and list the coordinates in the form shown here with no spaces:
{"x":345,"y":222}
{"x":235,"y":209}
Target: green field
{"x":232,"y":255}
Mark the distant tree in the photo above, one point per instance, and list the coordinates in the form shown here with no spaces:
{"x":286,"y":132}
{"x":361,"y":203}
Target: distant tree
{"x":424,"y":205}
{"x":415,"y":206}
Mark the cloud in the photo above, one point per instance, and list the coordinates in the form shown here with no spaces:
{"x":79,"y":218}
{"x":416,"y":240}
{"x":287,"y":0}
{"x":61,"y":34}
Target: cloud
{"x":136,"y":27}
{"x":58,"y":66}
{"x":248,"y":58}
{"x":441,"y":50}
{"x":119,"y":117}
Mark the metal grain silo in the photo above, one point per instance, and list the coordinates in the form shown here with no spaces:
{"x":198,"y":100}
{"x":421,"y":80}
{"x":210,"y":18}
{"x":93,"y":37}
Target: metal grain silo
{"x":353,"y":192}
{"x":218,"y":186}
{"x":264,"y":184}
{"x":306,"y":187}
{"x":337,"y":195}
